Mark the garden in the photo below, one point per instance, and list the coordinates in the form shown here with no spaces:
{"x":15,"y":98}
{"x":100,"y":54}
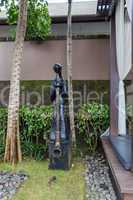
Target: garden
{"x":37,"y":181}
{"x":37,"y":142}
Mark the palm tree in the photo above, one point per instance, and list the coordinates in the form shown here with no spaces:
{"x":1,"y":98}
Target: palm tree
{"x":69,"y":72}
{"x":13,"y":149}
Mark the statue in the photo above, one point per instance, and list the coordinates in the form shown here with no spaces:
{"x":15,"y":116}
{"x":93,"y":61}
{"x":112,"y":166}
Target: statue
{"x":59,"y":146}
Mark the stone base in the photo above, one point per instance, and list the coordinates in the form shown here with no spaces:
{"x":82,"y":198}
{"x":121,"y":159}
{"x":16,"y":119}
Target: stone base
{"x":64,"y":161}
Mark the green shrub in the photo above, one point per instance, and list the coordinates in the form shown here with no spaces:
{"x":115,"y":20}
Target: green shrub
{"x":92,"y":120}
{"x":3,"y":127}
{"x":34,"y":130}
{"x":35,"y":123}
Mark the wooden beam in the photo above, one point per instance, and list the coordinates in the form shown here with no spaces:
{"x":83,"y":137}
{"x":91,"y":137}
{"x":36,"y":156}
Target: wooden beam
{"x":114,"y":80}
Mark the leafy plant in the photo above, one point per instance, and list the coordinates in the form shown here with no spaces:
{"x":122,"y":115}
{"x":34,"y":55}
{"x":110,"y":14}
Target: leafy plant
{"x":92,"y":120}
{"x":35,"y":123}
{"x":35,"y":126}
{"x":38,"y":20}
{"x":3,"y":127}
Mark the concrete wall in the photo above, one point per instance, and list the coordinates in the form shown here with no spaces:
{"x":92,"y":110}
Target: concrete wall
{"x":60,"y":29}
{"x":90,"y":59}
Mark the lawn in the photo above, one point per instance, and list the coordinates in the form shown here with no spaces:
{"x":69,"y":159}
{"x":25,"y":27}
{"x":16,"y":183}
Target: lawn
{"x":69,"y":185}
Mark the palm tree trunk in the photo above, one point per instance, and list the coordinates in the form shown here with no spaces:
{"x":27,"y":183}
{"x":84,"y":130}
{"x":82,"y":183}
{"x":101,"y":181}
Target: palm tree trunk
{"x":13,"y":149}
{"x":69,"y":72}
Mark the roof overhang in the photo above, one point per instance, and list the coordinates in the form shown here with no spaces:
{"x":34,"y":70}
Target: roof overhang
{"x":85,"y":11}
{"x":76,"y":19}
{"x":106,"y":7}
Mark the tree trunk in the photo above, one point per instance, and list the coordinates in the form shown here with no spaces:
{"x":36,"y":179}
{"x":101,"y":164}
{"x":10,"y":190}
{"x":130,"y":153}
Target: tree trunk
{"x":13,"y":149}
{"x":69,"y":72}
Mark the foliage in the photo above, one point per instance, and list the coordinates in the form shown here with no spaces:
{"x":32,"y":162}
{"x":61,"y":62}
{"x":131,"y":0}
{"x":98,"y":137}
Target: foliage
{"x":3,"y":127}
{"x":38,"y":19}
{"x":34,"y":130}
{"x":35,"y":127}
{"x":92,"y":120}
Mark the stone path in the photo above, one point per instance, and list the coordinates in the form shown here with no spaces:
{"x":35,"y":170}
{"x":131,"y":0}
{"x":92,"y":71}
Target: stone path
{"x":98,"y":182}
{"x":9,"y":183}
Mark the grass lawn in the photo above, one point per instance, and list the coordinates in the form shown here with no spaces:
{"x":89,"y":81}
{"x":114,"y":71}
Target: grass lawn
{"x":68,"y":186}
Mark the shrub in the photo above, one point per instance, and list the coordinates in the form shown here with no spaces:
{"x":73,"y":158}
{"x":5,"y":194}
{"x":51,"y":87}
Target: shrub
{"x":34,"y":130}
{"x":35,"y":123}
{"x":3,"y":127}
{"x":92,"y":120}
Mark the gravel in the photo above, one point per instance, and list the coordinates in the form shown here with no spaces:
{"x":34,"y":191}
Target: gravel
{"x":98,"y":182}
{"x":10,"y":182}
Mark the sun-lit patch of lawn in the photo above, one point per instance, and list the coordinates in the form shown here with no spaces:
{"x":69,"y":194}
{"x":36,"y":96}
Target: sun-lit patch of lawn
{"x":69,"y":185}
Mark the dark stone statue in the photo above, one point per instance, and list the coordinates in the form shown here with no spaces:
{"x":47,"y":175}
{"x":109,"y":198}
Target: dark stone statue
{"x":59,"y":146}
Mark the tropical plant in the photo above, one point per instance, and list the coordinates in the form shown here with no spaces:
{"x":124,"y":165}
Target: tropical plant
{"x":38,"y":19}
{"x":92,"y":120}
{"x":35,"y":124}
{"x":3,"y":129}
{"x":35,"y":127}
